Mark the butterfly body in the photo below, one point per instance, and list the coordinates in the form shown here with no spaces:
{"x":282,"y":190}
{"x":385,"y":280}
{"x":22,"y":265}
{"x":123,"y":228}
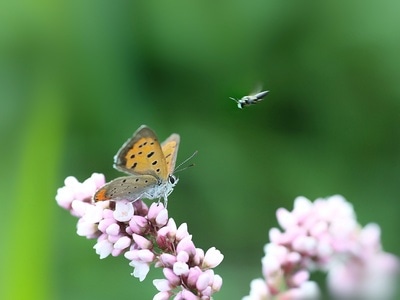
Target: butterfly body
{"x":148,"y":163}
{"x":250,"y":100}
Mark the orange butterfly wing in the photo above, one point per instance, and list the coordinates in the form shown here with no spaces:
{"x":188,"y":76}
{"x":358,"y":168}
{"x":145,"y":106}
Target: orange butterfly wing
{"x":170,"y":149}
{"x":142,"y":154}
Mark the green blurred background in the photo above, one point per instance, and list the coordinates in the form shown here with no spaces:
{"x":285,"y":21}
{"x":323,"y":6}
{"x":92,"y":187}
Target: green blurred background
{"x":77,"y":78}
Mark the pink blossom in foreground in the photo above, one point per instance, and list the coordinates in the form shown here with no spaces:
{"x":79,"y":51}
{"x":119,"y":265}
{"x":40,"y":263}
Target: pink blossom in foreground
{"x":145,"y":236}
{"x":324,"y":235}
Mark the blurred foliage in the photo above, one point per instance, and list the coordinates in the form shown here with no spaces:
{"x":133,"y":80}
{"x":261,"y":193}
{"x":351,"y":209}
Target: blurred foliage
{"x":78,"y":77}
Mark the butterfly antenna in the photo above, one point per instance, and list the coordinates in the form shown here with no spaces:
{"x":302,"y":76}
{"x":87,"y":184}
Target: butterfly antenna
{"x":185,"y":161}
{"x":236,"y":100}
{"x":180,"y":170}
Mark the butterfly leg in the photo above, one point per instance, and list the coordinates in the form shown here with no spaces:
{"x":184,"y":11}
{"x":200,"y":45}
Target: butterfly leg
{"x":165,"y":201}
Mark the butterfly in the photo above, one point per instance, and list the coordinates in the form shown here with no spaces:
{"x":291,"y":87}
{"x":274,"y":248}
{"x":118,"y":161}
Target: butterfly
{"x":250,"y":100}
{"x":150,"y":166}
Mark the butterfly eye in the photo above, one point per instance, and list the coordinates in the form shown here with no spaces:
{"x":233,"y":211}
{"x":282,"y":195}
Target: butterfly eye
{"x":172,"y":179}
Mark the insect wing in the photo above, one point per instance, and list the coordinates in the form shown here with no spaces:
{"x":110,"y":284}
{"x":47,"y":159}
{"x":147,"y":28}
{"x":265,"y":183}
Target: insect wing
{"x":261,"y":95}
{"x":142,"y":155}
{"x":170,"y":149}
{"x":129,"y":188}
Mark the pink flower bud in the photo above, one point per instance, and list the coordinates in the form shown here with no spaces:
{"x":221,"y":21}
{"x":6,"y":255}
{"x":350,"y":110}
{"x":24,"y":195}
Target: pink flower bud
{"x":123,"y":243}
{"x":186,"y":245}
{"x":116,"y":252}
{"x":173,"y":279}
{"x":305,"y":244}
{"x":207,"y":292}
{"x":217,"y":283}
{"x":162,"y":285}
{"x":319,"y":228}
{"x":182,"y":256}
{"x":300,"y":277}
{"x":285,"y":218}
{"x":98,"y":179}
{"x":203,"y":281}
{"x":274,"y":235}
{"x":154,"y":210}
{"x":141,"y":241}
{"x":198,"y":257}
{"x":186,"y":295}
{"x":138,"y":224}
{"x":79,"y":208}
{"x":146,"y":255}
{"x":170,"y":229}
{"x":113,"y":229}
{"x":193,"y":275}
{"x":105,"y":223}
{"x":182,"y":232}
{"x":113,"y":238}
{"x":162,"y":218}
{"x":167,"y":259}
{"x":107,"y":213}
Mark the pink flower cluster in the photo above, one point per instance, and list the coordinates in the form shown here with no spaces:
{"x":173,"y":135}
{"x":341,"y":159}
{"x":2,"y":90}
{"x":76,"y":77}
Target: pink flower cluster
{"x":324,"y":235}
{"x":145,"y":236}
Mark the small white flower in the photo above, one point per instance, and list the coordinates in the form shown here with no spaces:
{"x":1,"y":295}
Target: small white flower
{"x":180,"y":268}
{"x":302,"y":206}
{"x":305,"y":244}
{"x":258,"y":290}
{"x":285,"y":218}
{"x":123,"y":211}
{"x":212,"y":258}
{"x":162,"y":285}
{"x":162,"y":296}
{"x":93,"y":213}
{"x":309,"y":290}
{"x":103,"y":248}
{"x":86,"y":228}
{"x":79,"y":207}
{"x":140,"y":269}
